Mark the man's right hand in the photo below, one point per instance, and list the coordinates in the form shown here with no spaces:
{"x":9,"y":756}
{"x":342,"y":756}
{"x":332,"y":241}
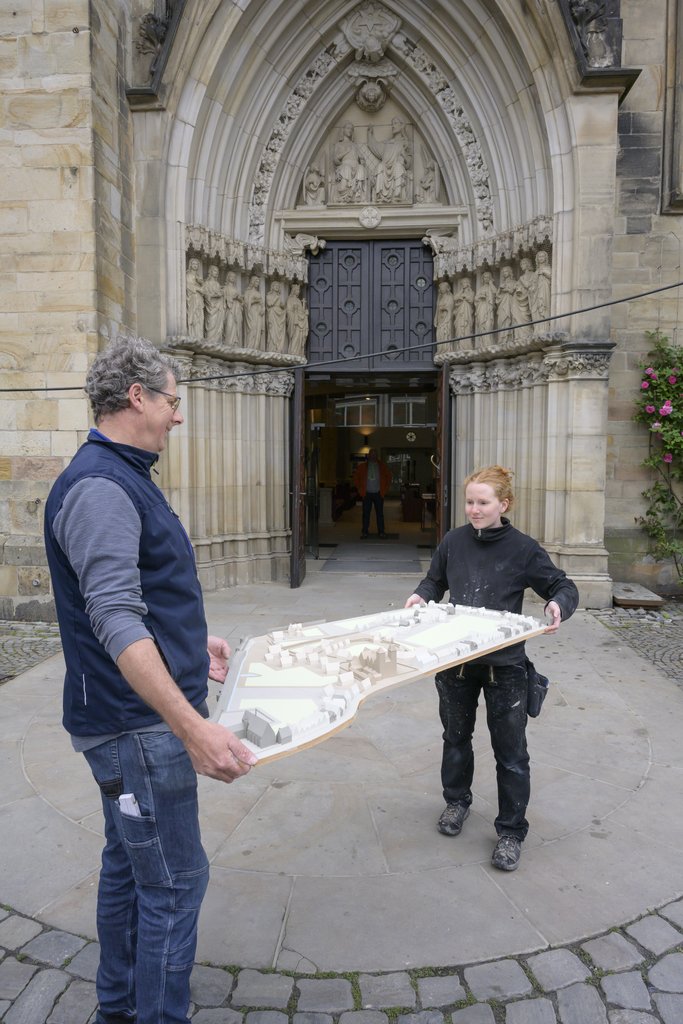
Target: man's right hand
{"x":414,"y":599}
{"x":217,"y":753}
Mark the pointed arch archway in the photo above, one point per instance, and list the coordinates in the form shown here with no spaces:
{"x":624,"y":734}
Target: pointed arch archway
{"x":258,"y":93}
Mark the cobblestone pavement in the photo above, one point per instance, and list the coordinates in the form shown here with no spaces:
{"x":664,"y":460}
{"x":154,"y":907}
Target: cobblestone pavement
{"x":656,"y":635}
{"x":632,"y":975}
{"x":629,"y":975}
{"x":25,"y":644}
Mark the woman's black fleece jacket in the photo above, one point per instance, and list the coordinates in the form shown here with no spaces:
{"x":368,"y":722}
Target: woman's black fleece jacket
{"x":491,"y":569}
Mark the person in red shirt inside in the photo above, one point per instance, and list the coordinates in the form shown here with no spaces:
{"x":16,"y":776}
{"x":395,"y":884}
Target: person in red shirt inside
{"x":373,"y":479}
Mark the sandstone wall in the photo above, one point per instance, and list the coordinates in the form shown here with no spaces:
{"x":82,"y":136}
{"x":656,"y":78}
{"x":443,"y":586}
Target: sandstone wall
{"x":647,"y":254}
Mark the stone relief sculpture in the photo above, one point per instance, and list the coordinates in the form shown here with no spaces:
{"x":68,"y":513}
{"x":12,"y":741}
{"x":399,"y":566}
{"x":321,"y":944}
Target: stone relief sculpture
{"x":391,"y":177}
{"x":349,"y":169}
{"x":540,"y":294}
{"x":314,"y":186}
{"x":214,"y":309}
{"x":275,"y":318}
{"x":463,"y":315}
{"x":194,"y":299}
{"x":297,"y":245}
{"x":443,"y":316}
{"x":297,"y":321}
{"x":485,"y":304}
{"x":427,"y":188}
{"x":254,"y":314}
{"x":369,"y":30}
{"x":233,"y":325}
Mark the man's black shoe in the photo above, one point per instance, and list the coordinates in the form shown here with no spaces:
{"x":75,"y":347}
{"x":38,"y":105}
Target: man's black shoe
{"x":507,"y":853}
{"x":452,"y":820}
{"x":363,"y":536}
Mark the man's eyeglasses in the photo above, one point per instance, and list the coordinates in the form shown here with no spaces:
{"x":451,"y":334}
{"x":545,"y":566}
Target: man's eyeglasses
{"x":173,"y":400}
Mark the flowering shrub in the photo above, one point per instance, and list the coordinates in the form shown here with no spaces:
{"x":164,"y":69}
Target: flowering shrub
{"x":660,"y":408}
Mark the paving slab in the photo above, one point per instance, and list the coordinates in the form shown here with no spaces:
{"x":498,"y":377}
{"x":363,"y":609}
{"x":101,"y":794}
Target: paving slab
{"x":345,"y":831}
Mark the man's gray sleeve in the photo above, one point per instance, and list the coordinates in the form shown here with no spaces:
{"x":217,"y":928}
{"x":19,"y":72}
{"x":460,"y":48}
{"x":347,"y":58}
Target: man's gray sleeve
{"x":98,"y":529}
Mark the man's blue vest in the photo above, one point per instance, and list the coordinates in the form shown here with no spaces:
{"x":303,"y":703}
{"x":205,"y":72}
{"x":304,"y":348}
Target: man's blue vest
{"x":97,"y":699}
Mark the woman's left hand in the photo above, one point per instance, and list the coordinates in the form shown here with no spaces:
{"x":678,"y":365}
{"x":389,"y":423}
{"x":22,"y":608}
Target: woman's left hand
{"x":553,"y":610}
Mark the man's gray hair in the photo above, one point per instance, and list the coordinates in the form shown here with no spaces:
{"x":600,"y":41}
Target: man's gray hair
{"x":123,"y":362}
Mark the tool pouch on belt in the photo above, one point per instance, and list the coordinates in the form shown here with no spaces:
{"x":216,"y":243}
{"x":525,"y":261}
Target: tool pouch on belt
{"x":537,"y":688}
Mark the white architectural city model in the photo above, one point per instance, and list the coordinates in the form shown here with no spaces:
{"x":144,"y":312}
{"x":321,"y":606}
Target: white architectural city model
{"x":294,"y":687}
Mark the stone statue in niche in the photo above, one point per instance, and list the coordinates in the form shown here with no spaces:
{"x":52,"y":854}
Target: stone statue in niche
{"x":297,"y":321}
{"x":275,"y":318}
{"x":485,"y":304}
{"x":540,"y":293}
{"x":194,"y":299}
{"x":443,"y":315}
{"x":214,"y":308}
{"x":504,"y":294}
{"x":314,"y":187}
{"x":232,"y":328}
{"x":254,"y":315}
{"x":521,"y":305}
{"x":349,"y":169}
{"x":463,"y":315}
{"x":391,"y":176}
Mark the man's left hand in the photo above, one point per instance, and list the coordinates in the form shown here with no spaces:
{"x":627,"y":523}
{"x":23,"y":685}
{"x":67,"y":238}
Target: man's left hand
{"x":219,"y":655}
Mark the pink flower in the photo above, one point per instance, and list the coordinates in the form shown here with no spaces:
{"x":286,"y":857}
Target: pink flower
{"x":666,"y":409}
{"x":645,"y":385}
{"x":649,"y":409}
{"x":668,"y":457}
{"x":650,"y":372}
{"x":656,"y":427}
{"x":671,"y":379}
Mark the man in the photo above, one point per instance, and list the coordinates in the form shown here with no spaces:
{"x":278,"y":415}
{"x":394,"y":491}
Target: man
{"x":373,"y":480}
{"x":137,"y":656}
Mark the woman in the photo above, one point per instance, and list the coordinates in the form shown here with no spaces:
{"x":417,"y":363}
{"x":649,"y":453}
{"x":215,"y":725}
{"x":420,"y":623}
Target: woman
{"x":489,"y":564}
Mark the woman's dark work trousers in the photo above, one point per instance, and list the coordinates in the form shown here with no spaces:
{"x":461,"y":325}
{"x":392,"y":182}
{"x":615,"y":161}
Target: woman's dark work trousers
{"x":505,"y":692}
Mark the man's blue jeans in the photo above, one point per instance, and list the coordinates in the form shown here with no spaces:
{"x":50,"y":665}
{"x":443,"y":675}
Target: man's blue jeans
{"x":153,"y":878}
{"x":505,"y":693}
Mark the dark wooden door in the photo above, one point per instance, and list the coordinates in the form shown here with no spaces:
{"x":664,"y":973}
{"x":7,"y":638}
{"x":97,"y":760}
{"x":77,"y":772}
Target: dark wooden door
{"x":442,"y":458}
{"x":297,"y":563}
{"x":371,"y":306}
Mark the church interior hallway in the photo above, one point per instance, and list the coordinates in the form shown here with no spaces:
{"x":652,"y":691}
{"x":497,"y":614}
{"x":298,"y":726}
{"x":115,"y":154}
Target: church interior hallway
{"x":408,"y":546}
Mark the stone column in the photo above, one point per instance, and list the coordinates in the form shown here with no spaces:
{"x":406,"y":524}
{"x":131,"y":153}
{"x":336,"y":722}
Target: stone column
{"x":575,"y":476}
{"x":543,"y":414}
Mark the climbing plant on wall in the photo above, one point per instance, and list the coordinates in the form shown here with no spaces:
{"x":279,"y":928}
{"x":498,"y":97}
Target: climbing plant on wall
{"x":660,"y":408}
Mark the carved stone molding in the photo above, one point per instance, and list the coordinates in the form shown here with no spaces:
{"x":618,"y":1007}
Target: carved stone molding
{"x":451,"y":258}
{"x":328,"y":59}
{"x":291,"y":265}
{"x":437,"y":82}
{"x":215,"y":349}
{"x":499,"y":375}
{"x":542,"y":361}
{"x":229,"y":374}
{"x":580,"y":359}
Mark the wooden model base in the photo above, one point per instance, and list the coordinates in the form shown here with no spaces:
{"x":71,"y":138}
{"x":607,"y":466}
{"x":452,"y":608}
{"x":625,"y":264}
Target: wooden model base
{"x":295,"y":687}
